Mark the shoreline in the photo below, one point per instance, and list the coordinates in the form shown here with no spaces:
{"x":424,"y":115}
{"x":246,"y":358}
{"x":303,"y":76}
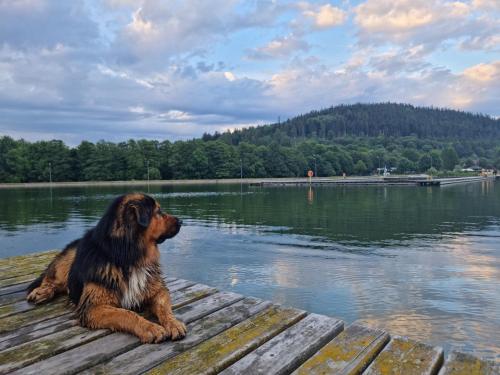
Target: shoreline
{"x":222,"y":181}
{"x":337,"y":180}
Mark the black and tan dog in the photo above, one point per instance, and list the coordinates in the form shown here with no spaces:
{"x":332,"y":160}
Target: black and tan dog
{"x":114,"y":269}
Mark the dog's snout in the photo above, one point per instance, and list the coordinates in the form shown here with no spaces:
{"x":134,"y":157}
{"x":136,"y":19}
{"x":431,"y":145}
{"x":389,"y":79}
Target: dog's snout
{"x":179,"y":221}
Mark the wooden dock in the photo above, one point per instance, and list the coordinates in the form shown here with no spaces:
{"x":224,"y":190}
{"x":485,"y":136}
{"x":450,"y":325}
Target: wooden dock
{"x":227,"y":333}
{"x":374,"y":180}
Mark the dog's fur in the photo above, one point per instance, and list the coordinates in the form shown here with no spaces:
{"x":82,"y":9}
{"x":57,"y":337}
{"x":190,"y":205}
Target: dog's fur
{"x":114,"y":269}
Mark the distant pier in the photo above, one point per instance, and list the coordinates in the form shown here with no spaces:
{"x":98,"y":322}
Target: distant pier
{"x":375,"y":180}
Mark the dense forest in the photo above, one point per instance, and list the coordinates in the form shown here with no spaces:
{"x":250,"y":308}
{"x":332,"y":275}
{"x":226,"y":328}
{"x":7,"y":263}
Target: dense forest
{"x":352,"y":139}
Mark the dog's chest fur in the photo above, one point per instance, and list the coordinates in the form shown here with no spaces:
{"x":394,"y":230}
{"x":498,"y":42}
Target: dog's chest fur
{"x":135,"y":291}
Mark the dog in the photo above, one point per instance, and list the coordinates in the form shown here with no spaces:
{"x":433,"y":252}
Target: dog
{"x":114,"y":271}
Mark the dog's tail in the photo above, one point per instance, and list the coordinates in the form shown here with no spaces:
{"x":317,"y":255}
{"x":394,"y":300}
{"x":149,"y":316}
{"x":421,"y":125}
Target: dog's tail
{"x":36,"y":283}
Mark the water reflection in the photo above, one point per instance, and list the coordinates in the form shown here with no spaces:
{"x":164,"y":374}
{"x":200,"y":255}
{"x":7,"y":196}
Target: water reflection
{"x":422,"y":262}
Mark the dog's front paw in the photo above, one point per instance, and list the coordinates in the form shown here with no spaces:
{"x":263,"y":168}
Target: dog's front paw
{"x":152,"y":333}
{"x":40,"y":295}
{"x":175,"y":328}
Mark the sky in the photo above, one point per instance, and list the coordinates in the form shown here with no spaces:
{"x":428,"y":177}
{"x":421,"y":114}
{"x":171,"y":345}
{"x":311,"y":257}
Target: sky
{"x":174,"y":69}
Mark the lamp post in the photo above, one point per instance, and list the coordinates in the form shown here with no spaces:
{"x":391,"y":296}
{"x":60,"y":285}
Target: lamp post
{"x":50,"y":172}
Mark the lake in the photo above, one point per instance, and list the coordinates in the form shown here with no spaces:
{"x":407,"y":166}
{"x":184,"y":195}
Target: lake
{"x":420,"y":262}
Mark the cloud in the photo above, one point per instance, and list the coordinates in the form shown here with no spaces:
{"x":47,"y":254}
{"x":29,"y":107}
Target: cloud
{"x":29,"y":24}
{"x":486,"y":4}
{"x":281,"y":47}
{"x":159,"y":30}
{"x":305,"y":86}
{"x":118,"y":69}
{"x":484,"y":72}
{"x":426,"y":22}
{"x":323,"y":16}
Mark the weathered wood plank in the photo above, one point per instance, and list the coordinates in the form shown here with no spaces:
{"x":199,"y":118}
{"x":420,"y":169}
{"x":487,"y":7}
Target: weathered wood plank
{"x":114,"y":344}
{"x":39,"y":314}
{"x":14,"y":288}
{"x":19,"y":340}
{"x":405,"y":356}
{"x":349,"y":353}
{"x":285,"y":352}
{"x":19,"y":325}
{"x":192,"y":293}
{"x":219,"y":352}
{"x":21,"y":295}
{"x":12,"y":297}
{"x":17,"y":280}
{"x":145,"y":357}
{"x":22,"y":306}
{"x":457,"y":363}
{"x":27,"y":258}
{"x":15,"y":271}
{"x":37,"y":330}
{"x":44,"y":347}
{"x":50,"y":345}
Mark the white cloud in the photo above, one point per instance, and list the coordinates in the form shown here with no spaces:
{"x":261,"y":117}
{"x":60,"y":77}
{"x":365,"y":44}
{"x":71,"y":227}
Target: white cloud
{"x":484,"y":72}
{"x":122,"y":69}
{"x":323,"y":16}
{"x":431,"y":23}
{"x":487,"y":4}
{"x":281,"y":47}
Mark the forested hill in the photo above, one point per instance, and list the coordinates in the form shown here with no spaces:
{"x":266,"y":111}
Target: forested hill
{"x":351,"y":139}
{"x":373,"y":120}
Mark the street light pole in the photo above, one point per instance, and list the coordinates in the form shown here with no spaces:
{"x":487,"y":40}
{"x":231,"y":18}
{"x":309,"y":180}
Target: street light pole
{"x":50,"y":172}
{"x":148,"y":170}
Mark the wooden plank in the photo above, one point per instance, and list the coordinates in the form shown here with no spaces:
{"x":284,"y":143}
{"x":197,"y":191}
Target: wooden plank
{"x":287,"y":351}
{"x":44,"y":347}
{"x":144,"y":357}
{"x":14,"y":325}
{"x":14,"y":288}
{"x":114,"y":344}
{"x":19,"y":340}
{"x":405,"y":356}
{"x":39,"y":314}
{"x":22,"y":306}
{"x":30,"y":352}
{"x":34,"y":331}
{"x":17,"y":280}
{"x":349,"y":353}
{"x":12,"y":297}
{"x":15,"y":271}
{"x":219,"y":352}
{"x":173,"y":284}
{"x":192,"y":293}
{"x":465,"y":364}
{"x":28,"y":258}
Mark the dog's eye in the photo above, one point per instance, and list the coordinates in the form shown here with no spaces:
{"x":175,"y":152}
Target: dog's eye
{"x":159,"y":212}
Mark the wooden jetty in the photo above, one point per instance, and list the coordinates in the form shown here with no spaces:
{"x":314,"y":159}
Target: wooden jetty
{"x":420,"y":180}
{"x":227,"y":333}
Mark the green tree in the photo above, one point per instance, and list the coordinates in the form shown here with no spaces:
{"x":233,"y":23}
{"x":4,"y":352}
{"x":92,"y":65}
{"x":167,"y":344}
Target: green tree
{"x":450,"y":158}
{"x":360,"y":167}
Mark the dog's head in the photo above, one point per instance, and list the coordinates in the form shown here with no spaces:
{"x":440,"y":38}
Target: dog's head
{"x":132,"y":223}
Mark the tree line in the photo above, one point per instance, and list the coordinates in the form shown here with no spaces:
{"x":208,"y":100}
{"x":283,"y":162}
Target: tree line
{"x":22,"y":161}
{"x":279,"y":150}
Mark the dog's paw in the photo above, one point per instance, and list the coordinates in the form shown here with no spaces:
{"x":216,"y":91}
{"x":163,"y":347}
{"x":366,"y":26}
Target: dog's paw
{"x":153,"y":333}
{"x":40,"y":295}
{"x":175,"y":328}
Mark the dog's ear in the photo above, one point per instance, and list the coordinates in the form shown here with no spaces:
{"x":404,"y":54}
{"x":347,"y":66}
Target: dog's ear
{"x":142,"y":213}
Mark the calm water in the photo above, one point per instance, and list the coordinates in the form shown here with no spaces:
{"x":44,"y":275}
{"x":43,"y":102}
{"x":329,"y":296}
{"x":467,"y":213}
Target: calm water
{"x":421,"y":262}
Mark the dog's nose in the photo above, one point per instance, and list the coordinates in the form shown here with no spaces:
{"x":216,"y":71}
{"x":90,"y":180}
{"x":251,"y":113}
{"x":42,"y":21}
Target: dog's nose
{"x":179,"y":221}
